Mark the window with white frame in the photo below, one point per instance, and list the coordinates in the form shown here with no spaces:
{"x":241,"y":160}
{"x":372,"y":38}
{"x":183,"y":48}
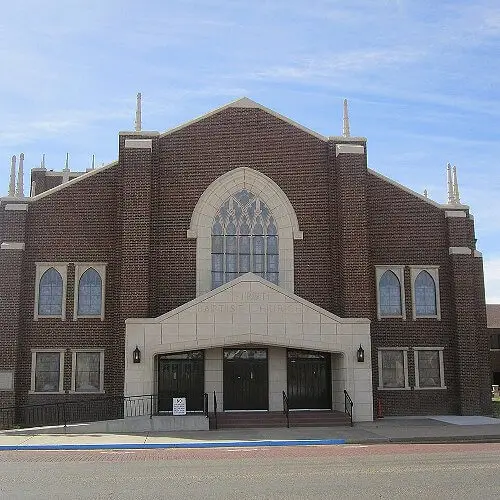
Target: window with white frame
{"x":90,"y":282}
{"x":390,"y":292}
{"x":87,"y":374}
{"x":244,"y":239}
{"x":50,"y":290}
{"x":47,"y":370}
{"x":429,"y":368}
{"x":425,"y":292}
{"x":393,"y":368}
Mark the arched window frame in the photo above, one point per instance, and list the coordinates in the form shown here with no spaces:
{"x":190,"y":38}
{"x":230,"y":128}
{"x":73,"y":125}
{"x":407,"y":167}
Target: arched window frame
{"x":434,"y":274}
{"x":244,"y":230}
{"x":399,"y":272}
{"x":80,"y":269}
{"x":216,"y":195}
{"x":41,"y":268}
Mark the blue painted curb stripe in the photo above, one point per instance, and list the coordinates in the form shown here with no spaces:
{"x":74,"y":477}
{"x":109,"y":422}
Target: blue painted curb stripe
{"x":145,"y":446}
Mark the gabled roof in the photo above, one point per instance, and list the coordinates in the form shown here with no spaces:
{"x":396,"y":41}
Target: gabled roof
{"x":245,"y":102}
{"x":417,"y":195}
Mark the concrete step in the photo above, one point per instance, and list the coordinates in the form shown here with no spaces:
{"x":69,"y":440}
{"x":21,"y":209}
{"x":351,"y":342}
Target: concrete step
{"x":241,"y":420}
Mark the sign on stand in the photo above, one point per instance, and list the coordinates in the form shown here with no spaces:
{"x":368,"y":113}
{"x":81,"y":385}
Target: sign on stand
{"x":179,"y":406}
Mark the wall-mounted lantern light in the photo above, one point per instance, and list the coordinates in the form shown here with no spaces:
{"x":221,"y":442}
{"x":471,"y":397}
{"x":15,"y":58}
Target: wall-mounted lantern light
{"x":361,"y":354}
{"x":136,"y":355}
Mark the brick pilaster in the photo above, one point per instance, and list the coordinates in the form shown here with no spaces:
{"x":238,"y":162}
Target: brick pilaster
{"x":13,"y":215}
{"x":350,"y":165}
{"x":470,"y":339}
{"x":137,"y":152}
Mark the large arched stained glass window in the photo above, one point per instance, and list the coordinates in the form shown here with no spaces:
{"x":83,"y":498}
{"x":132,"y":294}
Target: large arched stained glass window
{"x":425,"y":295}
{"x":90,"y":293}
{"x":244,"y":239}
{"x":50,"y":294}
{"x":390,"y":295}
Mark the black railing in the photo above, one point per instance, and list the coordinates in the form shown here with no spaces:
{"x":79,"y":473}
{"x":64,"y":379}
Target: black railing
{"x":83,"y":410}
{"x":205,"y":404}
{"x":348,"y":404}
{"x":215,"y":411}
{"x":286,"y":409}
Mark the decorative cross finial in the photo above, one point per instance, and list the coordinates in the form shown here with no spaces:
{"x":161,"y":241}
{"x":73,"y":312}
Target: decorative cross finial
{"x":345,"y":129}
{"x":425,"y":193}
{"x":451,"y":194}
{"x":138,"y":114}
{"x":20,"y":177}
{"x":456,"y":194}
{"x":12,"y":183}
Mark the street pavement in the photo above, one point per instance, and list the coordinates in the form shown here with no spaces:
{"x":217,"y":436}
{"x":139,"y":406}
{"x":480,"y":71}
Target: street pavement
{"x":435,"y":429}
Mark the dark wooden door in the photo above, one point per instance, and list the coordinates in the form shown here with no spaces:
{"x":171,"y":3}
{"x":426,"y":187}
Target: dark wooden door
{"x":181,"y":376}
{"x":309,"y":380}
{"x":245,"y":379}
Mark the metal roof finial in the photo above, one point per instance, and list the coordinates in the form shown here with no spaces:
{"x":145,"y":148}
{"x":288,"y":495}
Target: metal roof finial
{"x":20,"y":177}
{"x":138,"y":114}
{"x":456,"y":194}
{"x":12,"y":182}
{"x":451,"y":194}
{"x":345,"y":129}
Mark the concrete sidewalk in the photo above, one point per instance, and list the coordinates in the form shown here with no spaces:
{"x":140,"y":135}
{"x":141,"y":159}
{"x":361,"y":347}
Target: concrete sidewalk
{"x":388,"y":430}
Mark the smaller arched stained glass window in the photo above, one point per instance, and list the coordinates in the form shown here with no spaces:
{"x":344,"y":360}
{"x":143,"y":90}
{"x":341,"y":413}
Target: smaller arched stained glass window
{"x":425,"y":295}
{"x":90,"y":293}
{"x":390,"y":294}
{"x":50,"y":293}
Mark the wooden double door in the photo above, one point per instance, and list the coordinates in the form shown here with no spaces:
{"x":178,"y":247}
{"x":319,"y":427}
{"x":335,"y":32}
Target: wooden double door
{"x":309,"y":380}
{"x":246,"y":382}
{"x":181,"y":375}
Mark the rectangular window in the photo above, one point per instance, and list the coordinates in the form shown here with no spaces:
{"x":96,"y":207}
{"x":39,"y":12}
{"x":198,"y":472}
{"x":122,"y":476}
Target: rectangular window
{"x":88,"y":371}
{"x":47,"y":370}
{"x":393,"y":368}
{"x":429,"y":368}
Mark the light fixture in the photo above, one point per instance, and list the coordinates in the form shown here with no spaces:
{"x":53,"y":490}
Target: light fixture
{"x":361,"y":354}
{"x":136,"y":355}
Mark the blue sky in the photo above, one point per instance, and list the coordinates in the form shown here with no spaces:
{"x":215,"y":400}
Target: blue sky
{"x":422,"y":78}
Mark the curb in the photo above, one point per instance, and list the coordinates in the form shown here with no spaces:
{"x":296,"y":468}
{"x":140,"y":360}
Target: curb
{"x":148,"y":446}
{"x":495,"y":438}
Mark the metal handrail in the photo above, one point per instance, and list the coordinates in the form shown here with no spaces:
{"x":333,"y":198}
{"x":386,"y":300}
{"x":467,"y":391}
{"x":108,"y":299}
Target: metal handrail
{"x":348,"y":404}
{"x":286,"y":409}
{"x":205,"y":404}
{"x":80,"y":410}
{"x":215,"y":410}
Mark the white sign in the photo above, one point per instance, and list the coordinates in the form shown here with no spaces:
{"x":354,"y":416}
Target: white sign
{"x":179,"y":406}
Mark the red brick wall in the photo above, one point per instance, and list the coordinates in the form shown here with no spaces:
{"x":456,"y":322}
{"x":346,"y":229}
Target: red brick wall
{"x":76,"y":224}
{"x":405,"y":230}
{"x":135,"y":216}
{"x":195,"y":156}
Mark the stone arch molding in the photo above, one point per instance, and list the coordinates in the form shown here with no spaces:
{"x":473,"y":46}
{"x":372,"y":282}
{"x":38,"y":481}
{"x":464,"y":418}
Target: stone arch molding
{"x":212,"y":199}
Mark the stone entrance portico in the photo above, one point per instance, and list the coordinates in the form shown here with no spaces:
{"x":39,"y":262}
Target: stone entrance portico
{"x":251,"y":312}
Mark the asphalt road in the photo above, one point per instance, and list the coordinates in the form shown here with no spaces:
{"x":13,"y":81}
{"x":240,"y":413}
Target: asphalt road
{"x":376,"y":471}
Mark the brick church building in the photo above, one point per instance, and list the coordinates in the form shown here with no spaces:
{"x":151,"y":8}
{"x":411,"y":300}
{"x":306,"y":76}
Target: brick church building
{"x":245,"y":255}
